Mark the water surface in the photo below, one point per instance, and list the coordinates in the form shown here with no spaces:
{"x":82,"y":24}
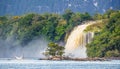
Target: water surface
{"x":45,"y":64}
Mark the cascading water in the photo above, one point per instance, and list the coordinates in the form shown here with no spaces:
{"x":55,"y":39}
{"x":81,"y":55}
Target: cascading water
{"x":76,"y":42}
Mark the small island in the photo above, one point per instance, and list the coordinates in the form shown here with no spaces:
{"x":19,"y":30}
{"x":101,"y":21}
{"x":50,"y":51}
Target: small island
{"x":56,"y":53}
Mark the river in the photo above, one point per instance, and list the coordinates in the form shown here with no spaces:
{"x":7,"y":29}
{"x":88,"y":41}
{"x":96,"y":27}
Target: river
{"x":49,"y":64}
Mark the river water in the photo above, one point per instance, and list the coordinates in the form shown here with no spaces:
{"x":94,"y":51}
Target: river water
{"x":45,"y":64}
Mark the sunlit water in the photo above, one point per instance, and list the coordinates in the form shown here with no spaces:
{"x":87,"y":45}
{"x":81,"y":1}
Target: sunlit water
{"x":45,"y":64}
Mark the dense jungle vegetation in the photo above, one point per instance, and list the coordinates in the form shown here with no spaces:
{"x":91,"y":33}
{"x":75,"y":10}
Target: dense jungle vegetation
{"x":106,"y":42}
{"x":57,"y":27}
{"x":30,"y":26}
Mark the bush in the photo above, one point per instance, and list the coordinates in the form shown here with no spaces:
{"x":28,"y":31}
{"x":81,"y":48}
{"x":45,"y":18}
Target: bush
{"x":113,"y":53}
{"x":54,"y":50}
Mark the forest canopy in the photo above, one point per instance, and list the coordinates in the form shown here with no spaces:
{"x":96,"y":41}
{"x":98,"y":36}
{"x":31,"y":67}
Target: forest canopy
{"x":106,"y":43}
{"x":53,"y":27}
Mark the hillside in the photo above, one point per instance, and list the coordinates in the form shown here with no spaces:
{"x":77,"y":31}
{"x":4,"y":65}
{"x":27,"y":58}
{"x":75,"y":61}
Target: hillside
{"x":106,"y":42}
{"x":55,"y":27}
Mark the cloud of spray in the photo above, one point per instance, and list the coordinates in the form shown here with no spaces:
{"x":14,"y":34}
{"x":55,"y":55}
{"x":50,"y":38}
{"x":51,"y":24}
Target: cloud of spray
{"x":9,"y":48}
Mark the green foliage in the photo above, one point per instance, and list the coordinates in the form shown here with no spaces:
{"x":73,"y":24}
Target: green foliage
{"x":106,"y":43}
{"x":54,"y":27}
{"x":3,"y":18}
{"x":85,"y":16}
{"x":74,"y":19}
{"x":68,"y":14}
{"x":114,"y":53}
{"x":97,"y":16}
{"x":54,"y":50}
{"x":5,"y":27}
{"x":98,"y":26}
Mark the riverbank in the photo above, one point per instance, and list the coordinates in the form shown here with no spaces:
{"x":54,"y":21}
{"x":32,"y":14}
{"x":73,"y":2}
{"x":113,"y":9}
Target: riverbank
{"x":81,"y":59}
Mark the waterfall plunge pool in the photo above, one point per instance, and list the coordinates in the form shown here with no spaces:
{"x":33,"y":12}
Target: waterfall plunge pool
{"x":64,"y":64}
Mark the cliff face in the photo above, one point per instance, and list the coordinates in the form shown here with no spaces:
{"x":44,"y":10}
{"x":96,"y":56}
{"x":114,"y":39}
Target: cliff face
{"x":18,"y":7}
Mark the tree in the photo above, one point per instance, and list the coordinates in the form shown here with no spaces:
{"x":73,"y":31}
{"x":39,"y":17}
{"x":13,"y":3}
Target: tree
{"x":68,"y":14}
{"x":85,"y":16}
{"x":97,"y":16}
{"x":54,"y":49}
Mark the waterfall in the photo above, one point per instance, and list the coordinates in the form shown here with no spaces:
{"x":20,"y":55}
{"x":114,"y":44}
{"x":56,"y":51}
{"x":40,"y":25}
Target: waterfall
{"x":77,"y":40}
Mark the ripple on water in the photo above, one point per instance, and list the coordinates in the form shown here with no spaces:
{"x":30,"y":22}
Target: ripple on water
{"x":44,"y":64}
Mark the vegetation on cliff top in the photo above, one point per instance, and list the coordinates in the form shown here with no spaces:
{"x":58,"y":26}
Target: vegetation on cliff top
{"x":106,"y":42}
{"x":31,"y":26}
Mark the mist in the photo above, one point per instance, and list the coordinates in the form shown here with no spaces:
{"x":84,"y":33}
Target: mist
{"x":10,"y":48}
